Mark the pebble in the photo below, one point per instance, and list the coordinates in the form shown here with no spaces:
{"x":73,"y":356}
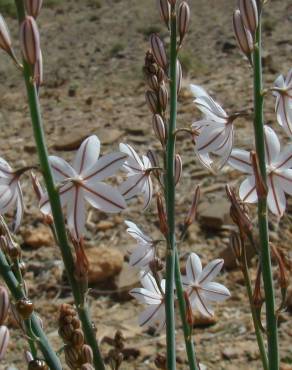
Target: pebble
{"x":41,"y":236}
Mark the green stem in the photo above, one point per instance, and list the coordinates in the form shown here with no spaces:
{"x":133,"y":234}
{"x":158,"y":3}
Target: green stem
{"x":170,"y":202}
{"x":56,"y":206}
{"x":12,"y":283}
{"x":182,"y":309}
{"x":271,"y":319}
{"x":257,"y":328}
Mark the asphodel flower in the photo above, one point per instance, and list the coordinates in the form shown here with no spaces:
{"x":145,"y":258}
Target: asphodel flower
{"x":139,"y":180}
{"x":199,"y":285}
{"x":5,"y":40}
{"x":83,"y":182}
{"x":153,"y":296}
{"x":279,"y":173}
{"x":283,"y":108}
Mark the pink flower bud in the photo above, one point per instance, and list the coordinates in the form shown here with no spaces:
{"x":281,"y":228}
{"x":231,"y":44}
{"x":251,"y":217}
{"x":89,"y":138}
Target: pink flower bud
{"x":38,"y":71}
{"x":30,"y":40}
{"x":163,"y":97}
{"x":86,"y":354}
{"x":249,"y":12}
{"x":178,"y":76}
{"x":153,"y":83}
{"x":4,"y":304}
{"x":33,"y":7}
{"x":164,"y":9}
{"x":183,"y":19}
{"x":4,"y":339}
{"x":243,"y":36}
{"x":159,"y":128}
{"x":152,"y":101}
{"x":158,"y":51}
{"x":177,"y":168}
{"x":151,"y":154}
{"x":5,"y":41}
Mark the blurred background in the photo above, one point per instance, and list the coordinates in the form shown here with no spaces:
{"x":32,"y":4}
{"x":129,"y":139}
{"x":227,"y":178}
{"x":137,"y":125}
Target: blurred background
{"x":93,"y":54}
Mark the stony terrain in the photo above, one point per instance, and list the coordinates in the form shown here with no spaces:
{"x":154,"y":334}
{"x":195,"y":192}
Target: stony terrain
{"x":93,"y":83}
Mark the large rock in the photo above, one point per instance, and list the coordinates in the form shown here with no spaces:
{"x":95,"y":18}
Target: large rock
{"x":213,"y":215}
{"x":37,"y":237}
{"x":104,"y":264}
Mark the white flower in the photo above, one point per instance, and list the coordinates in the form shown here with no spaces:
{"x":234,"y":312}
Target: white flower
{"x":10,"y":192}
{"x":82,"y":181}
{"x":283,"y":108}
{"x":145,"y":251}
{"x":139,"y":180}
{"x":151,"y":295}
{"x":215,"y":129}
{"x":199,"y":285}
{"x":279,"y":173}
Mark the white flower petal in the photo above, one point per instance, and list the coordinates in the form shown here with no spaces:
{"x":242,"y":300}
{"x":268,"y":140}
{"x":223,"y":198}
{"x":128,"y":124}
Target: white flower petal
{"x":61,"y":169}
{"x":141,"y":256}
{"x":198,"y":302}
{"x":149,"y":283}
{"x":133,"y":162}
{"x":87,"y":154}
{"x":7,"y":198}
{"x":272,"y":145}
{"x":198,"y":91}
{"x":19,"y":209}
{"x":76,"y":212}
{"x":279,"y":82}
{"x":145,"y":296}
{"x":213,"y":291}
{"x":284,"y":113}
{"x":65,"y":193}
{"x":133,"y":185}
{"x":210,"y":271}
{"x":240,"y":160}
{"x":284,"y":160}
{"x":285,"y":180}
{"x":211,"y":109}
{"x":247,"y":190}
{"x":106,"y":166}
{"x":103,"y":197}
{"x":137,"y":233}
{"x":193,"y":268}
{"x":205,"y":160}
{"x":276,"y":196}
{"x":5,"y":169}
{"x":210,"y":139}
{"x":150,"y":315}
{"x":147,"y":191}
{"x":198,"y":125}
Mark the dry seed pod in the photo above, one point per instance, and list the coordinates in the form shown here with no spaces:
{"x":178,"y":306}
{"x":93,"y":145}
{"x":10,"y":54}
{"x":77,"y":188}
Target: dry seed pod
{"x":158,"y":51}
{"x":159,"y":128}
{"x":30,"y":40}
{"x":243,"y":36}
{"x":177,"y":168}
{"x":193,"y":209}
{"x":178,"y":77}
{"x":4,"y":304}
{"x":164,"y":10}
{"x":4,"y":339}
{"x":249,"y":13}
{"x":152,"y":101}
{"x":24,"y":308}
{"x":33,"y":7}
{"x":163,"y":97}
{"x":183,"y":20}
{"x":236,"y":245}
{"x":5,"y":41}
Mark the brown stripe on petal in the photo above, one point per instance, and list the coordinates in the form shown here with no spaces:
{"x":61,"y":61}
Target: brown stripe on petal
{"x":210,"y":141}
{"x":106,"y":166}
{"x":210,"y":272}
{"x":101,"y":196}
{"x":151,"y":316}
{"x":203,"y":303}
{"x":136,"y":183}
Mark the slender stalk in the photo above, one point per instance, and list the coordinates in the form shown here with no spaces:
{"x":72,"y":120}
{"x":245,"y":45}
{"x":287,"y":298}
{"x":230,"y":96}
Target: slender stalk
{"x":56,"y":206}
{"x":15,"y":288}
{"x":271,"y":319}
{"x":257,"y":328}
{"x":170,"y":202}
{"x":182,"y":308}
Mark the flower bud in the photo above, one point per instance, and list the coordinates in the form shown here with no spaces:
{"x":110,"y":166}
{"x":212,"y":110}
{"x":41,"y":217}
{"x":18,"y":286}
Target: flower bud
{"x":4,"y":339}
{"x":153,"y":82}
{"x":5,"y":41}
{"x":159,"y":128}
{"x":177,"y":168}
{"x":249,"y":12}
{"x":86,"y":354}
{"x":161,"y":215}
{"x":30,"y":40}
{"x":163,"y":97}
{"x":164,"y":9}
{"x":71,"y":355}
{"x":160,"y":75}
{"x":183,"y":20}
{"x":38,"y":71}
{"x":236,"y":245}
{"x":178,"y":76}
{"x":33,"y":7}
{"x":24,"y":308}
{"x":152,"y":101}
{"x":158,"y":51}
{"x":153,"y":158}
{"x":87,"y":367}
{"x":242,"y":35}
{"x":4,"y":304}
{"x":193,"y":209}
{"x":77,"y":338}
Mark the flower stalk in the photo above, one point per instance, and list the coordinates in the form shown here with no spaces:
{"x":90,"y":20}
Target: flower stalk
{"x":271,"y":319}
{"x":57,"y":213}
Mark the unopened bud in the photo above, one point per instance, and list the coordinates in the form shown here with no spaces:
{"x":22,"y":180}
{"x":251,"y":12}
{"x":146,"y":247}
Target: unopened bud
{"x":4,"y":340}
{"x":151,"y":154}
{"x":5,"y":41}
{"x":189,"y":312}
{"x":159,"y":128}
{"x":177,"y":168}
{"x":30,"y":40}
{"x":160,"y":362}
{"x":4,"y":304}
{"x":33,"y":7}
{"x":158,"y":51}
{"x":164,"y":10}
{"x":24,"y":308}
{"x":161,"y":215}
{"x":71,"y":355}
{"x":178,"y":77}
{"x":38,"y":71}
{"x":87,"y":367}
{"x":242,"y":35}
{"x":77,"y":338}
{"x":86,"y":354}
{"x":183,"y":20}
{"x":249,"y":12}
{"x":160,"y":75}
{"x":152,"y":101}
{"x":153,"y":82}
{"x":193,"y":209}
{"x":163,"y":97}
{"x":236,"y":245}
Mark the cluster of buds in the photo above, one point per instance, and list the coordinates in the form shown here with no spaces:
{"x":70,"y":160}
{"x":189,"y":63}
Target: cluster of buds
{"x":245,"y":24}
{"x":78,"y":355}
{"x":115,"y":355}
{"x":4,"y":332}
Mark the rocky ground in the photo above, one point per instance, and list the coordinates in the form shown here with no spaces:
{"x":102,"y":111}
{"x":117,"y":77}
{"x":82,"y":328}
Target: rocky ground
{"x":93,"y":83}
